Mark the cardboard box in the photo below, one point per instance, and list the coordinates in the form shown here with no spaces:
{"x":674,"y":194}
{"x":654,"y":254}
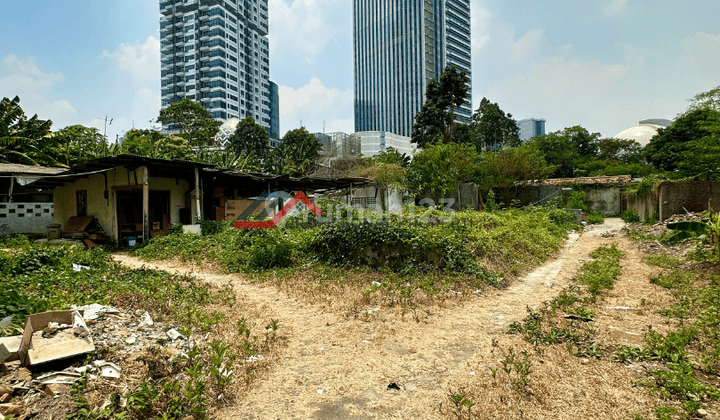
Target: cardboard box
{"x":64,"y":344}
{"x":218,"y":192}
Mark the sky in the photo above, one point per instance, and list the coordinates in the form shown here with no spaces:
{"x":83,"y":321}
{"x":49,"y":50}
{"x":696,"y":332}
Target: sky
{"x":601,"y":64}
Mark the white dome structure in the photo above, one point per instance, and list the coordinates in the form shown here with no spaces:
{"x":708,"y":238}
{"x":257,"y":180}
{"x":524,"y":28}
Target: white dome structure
{"x":644,"y":132}
{"x":226,"y":130}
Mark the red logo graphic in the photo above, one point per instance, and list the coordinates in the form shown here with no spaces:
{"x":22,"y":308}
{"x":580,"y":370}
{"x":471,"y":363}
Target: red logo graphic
{"x":299,"y":197}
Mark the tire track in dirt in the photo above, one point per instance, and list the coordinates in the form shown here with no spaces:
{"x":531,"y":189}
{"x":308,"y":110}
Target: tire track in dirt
{"x":339,"y":368}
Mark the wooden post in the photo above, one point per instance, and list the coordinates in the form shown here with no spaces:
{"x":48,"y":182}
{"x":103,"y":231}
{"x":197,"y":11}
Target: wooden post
{"x":12,"y":184}
{"x":198,"y":212}
{"x":146,"y":204}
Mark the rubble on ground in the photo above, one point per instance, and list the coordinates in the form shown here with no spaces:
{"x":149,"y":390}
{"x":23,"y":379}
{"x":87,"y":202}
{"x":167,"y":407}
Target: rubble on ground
{"x":660,"y":230}
{"x":43,"y":391}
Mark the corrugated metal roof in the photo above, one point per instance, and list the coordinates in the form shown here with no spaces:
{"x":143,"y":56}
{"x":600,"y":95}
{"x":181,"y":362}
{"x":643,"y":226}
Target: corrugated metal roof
{"x":590,"y":180}
{"x":15,"y":168}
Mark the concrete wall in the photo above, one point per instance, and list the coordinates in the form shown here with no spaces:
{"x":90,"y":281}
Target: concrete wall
{"x":606,"y":199}
{"x":645,"y":206}
{"x":104,"y":208}
{"x":676,"y":197}
{"x":25,"y":218}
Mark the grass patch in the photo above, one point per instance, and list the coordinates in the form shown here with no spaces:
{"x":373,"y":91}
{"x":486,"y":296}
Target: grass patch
{"x":38,"y":278}
{"x":413,"y":255}
{"x":663,"y":260}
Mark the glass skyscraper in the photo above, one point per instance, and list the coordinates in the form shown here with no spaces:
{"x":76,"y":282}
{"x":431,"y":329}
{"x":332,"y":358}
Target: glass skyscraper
{"x":398,"y":46}
{"x":217,"y":53}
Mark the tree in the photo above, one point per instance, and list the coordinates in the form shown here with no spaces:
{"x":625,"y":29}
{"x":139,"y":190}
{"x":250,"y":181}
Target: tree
{"x":250,"y":139}
{"x":193,"y":122}
{"x":436,"y":118}
{"x":671,"y":145}
{"x":20,"y":137}
{"x":503,"y":168}
{"x":494,"y":128}
{"x":567,"y":149}
{"x":297,"y":153}
{"x":388,"y":169}
{"x":77,"y":144}
{"x":228,"y":159}
{"x":156,"y":145}
{"x":439,"y":169}
{"x":703,"y":155}
{"x":710,"y":99}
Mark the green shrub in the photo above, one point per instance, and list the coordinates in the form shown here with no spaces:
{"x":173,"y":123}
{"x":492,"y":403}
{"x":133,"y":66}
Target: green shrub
{"x":175,"y":229}
{"x":594,"y":218}
{"x":576,"y":201}
{"x":630,"y":216}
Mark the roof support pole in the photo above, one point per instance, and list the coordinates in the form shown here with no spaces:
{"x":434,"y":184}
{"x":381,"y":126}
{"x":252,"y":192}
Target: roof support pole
{"x":146,"y":204}
{"x":10,"y":192}
{"x":198,"y":211}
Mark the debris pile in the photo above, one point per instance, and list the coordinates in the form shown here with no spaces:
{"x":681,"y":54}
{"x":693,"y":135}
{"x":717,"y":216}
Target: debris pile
{"x":98,"y":346}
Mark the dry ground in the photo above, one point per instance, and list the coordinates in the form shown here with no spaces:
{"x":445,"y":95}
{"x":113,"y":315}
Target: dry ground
{"x":339,"y":367}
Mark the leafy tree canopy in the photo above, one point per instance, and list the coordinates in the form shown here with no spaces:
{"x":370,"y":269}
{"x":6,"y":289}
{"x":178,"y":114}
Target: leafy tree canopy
{"x":388,"y":169}
{"x":193,"y":122}
{"x":709,"y":99}
{"x":671,"y":145}
{"x":567,"y":149}
{"x":250,"y":139}
{"x":436,"y":118}
{"x":703,"y":155}
{"x":154,"y":144}
{"x":297,"y":153}
{"x":492,"y":127}
{"x":77,"y":144}
{"x":440,"y":168}
{"x":504,"y":167}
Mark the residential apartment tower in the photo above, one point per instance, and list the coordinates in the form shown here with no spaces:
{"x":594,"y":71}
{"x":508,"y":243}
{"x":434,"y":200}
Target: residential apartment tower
{"x":216,"y":52}
{"x":399,"y":45}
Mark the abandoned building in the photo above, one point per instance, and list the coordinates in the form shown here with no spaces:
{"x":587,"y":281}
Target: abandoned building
{"x":139,"y":197}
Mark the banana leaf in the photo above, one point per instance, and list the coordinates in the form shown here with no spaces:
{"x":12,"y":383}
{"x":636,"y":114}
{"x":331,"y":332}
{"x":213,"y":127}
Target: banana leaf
{"x":697,"y":227}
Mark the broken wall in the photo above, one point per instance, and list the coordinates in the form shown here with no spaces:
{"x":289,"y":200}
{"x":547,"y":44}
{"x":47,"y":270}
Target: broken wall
{"x":675,"y":197}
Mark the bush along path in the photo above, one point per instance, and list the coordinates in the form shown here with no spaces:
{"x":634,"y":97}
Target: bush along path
{"x":336,"y":365}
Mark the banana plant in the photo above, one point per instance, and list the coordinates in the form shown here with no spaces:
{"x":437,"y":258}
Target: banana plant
{"x":686,"y":230}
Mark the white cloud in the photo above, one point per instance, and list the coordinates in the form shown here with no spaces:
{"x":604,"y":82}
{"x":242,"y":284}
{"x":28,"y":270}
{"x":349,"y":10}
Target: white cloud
{"x":315,"y":104}
{"x":616,"y":6}
{"x":142,"y":61}
{"x":300,"y":26}
{"x":23,"y":77}
{"x":526,"y":44}
{"x":609,"y":97}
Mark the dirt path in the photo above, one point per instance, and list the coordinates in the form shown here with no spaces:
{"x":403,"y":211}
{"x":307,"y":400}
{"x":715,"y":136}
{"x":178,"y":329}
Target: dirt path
{"x":339,"y":368}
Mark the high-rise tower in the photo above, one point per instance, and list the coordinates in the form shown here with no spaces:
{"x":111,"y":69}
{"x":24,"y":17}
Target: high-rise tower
{"x":216,"y":52}
{"x":398,"y":46}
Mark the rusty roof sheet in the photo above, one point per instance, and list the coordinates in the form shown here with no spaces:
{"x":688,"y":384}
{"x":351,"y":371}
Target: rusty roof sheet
{"x":590,"y":180}
{"x":16,"y":168}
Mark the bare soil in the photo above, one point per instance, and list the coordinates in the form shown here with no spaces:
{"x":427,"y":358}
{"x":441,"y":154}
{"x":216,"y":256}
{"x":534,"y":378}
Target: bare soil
{"x":336,"y":366}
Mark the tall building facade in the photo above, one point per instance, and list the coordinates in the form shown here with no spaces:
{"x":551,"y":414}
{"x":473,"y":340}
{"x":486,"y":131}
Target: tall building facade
{"x":399,"y":45}
{"x":216,"y":52}
{"x":530,"y":128}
